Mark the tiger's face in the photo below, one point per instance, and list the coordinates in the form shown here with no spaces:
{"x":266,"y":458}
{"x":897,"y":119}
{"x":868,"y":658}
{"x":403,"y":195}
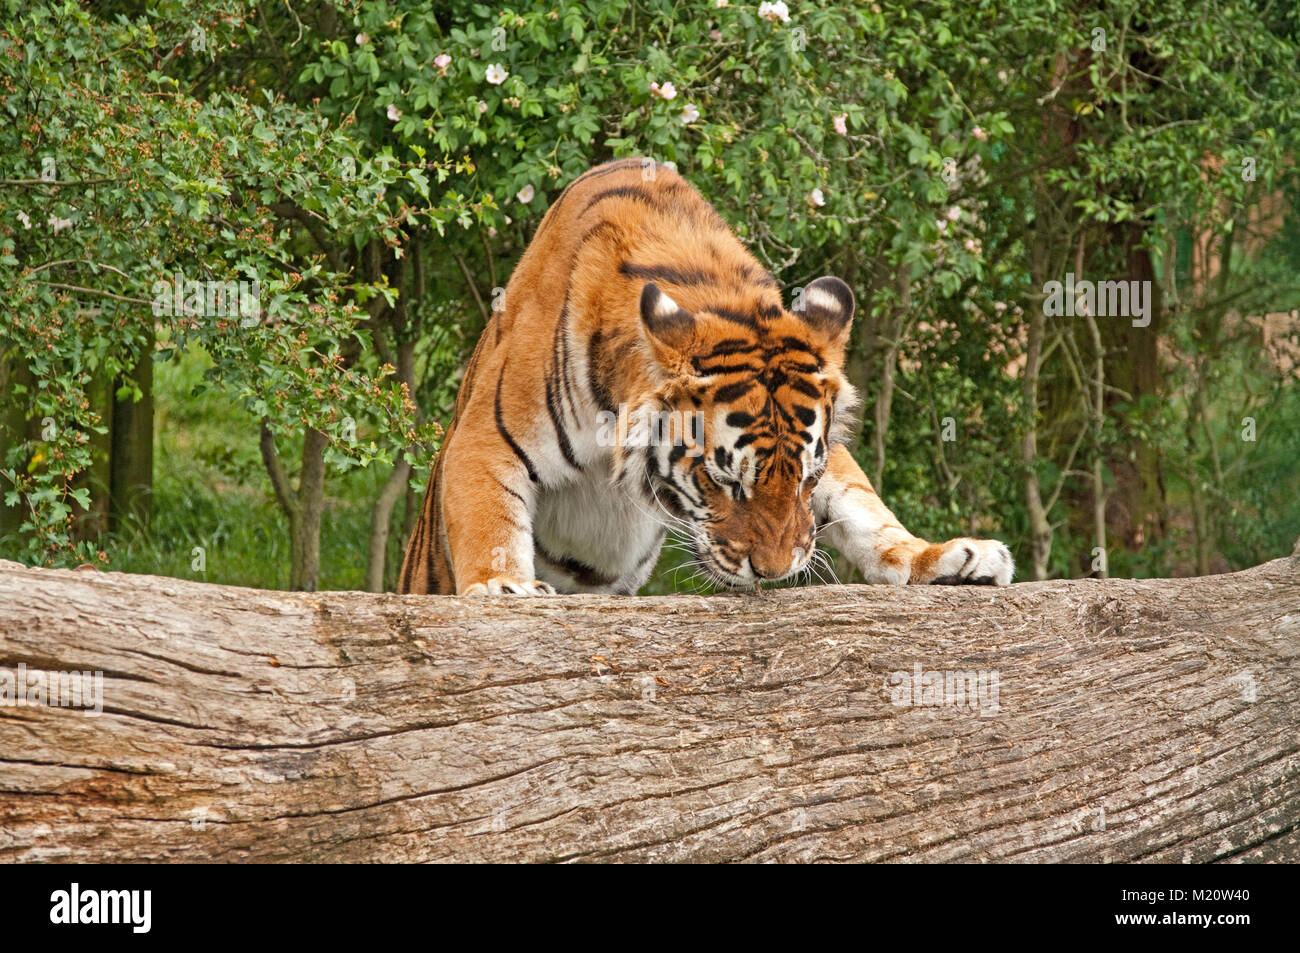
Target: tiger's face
{"x":750,"y":419}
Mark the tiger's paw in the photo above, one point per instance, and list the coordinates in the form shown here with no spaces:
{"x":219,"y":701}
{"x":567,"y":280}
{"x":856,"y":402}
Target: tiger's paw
{"x":506,"y":586}
{"x":963,"y":562}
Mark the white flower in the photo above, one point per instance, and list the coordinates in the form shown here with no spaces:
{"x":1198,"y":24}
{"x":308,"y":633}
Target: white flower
{"x":774,"y":11}
{"x":442,"y":61}
{"x":690,"y":114}
{"x":59,"y":224}
{"x":394,"y":113}
{"x":815,"y":197}
{"x":666,"y":91}
{"x":482,"y":107}
{"x":841,"y":124}
{"x":525,"y":194}
{"x":954,"y":213}
{"x":1002,"y":75}
{"x":362,"y":39}
{"x":496,"y":74}
{"x":22,"y":217}
{"x":941,"y":224}
{"x":720,"y":3}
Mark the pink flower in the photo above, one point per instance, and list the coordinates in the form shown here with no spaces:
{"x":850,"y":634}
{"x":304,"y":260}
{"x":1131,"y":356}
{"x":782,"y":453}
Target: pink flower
{"x":666,"y":91}
{"x":482,"y":107}
{"x":841,"y":124}
{"x":979,"y":133}
{"x":954,"y":213}
{"x":442,"y":61}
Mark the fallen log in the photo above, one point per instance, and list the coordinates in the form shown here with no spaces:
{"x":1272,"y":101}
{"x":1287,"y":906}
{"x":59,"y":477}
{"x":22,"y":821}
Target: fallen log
{"x":1083,"y":720}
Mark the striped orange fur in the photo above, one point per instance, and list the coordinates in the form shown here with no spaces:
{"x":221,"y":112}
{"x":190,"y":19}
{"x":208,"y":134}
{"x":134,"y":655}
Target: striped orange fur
{"x":645,"y":375}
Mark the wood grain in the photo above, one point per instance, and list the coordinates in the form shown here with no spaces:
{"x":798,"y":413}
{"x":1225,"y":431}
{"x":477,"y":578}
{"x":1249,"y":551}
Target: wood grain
{"x":1152,"y":720}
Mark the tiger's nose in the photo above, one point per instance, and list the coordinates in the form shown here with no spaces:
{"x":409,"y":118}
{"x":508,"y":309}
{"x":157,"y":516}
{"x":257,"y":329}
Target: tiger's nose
{"x":764,"y":568}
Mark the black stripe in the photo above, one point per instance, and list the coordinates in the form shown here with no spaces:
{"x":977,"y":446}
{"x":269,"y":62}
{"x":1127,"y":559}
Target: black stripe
{"x":599,"y":392}
{"x":590,"y":233}
{"x":562,"y":332}
{"x":731,"y":346}
{"x":505,"y":434}
{"x":553,"y":409}
{"x":804,"y":387}
{"x":685,"y":278}
{"x":582,"y":573}
{"x":731,"y":392}
{"x":606,"y":168}
{"x":622,"y":192}
{"x":717,"y":369}
{"x":760,"y":276}
{"x":516,"y":495}
{"x":730,"y":314}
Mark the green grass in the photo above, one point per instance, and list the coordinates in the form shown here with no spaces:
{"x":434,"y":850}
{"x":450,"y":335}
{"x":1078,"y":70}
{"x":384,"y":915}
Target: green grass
{"x":211,"y":491}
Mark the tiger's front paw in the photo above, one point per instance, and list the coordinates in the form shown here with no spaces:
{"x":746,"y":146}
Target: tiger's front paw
{"x":963,"y":562}
{"x":506,"y":586}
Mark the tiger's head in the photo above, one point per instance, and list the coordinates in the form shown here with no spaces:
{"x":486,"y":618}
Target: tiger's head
{"x":747,"y":407}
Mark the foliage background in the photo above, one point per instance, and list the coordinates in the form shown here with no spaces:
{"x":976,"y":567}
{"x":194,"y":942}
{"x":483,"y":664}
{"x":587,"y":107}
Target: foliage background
{"x":947,"y":158}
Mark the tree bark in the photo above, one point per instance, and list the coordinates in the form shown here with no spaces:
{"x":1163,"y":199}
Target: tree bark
{"x":131,"y":453}
{"x":1152,"y":720}
{"x":380,"y":524}
{"x":302,"y":507}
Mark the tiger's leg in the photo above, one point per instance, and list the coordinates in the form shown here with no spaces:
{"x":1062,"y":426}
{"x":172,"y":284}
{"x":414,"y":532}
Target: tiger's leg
{"x":861,"y":527}
{"x":487,"y":509}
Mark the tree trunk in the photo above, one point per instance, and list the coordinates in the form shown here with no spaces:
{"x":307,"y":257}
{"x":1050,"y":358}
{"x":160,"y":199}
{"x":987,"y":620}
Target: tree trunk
{"x":304,"y":570}
{"x":398,"y":481}
{"x":1111,"y":720}
{"x":380,"y":523}
{"x":131,"y":455}
{"x":302,"y":507}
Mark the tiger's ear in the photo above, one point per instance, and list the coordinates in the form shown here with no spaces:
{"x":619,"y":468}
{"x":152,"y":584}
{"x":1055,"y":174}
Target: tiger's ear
{"x":826,"y":305}
{"x":670,"y":325}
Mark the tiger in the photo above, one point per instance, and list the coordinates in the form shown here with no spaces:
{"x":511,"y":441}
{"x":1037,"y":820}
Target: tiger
{"x":642,"y":376}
